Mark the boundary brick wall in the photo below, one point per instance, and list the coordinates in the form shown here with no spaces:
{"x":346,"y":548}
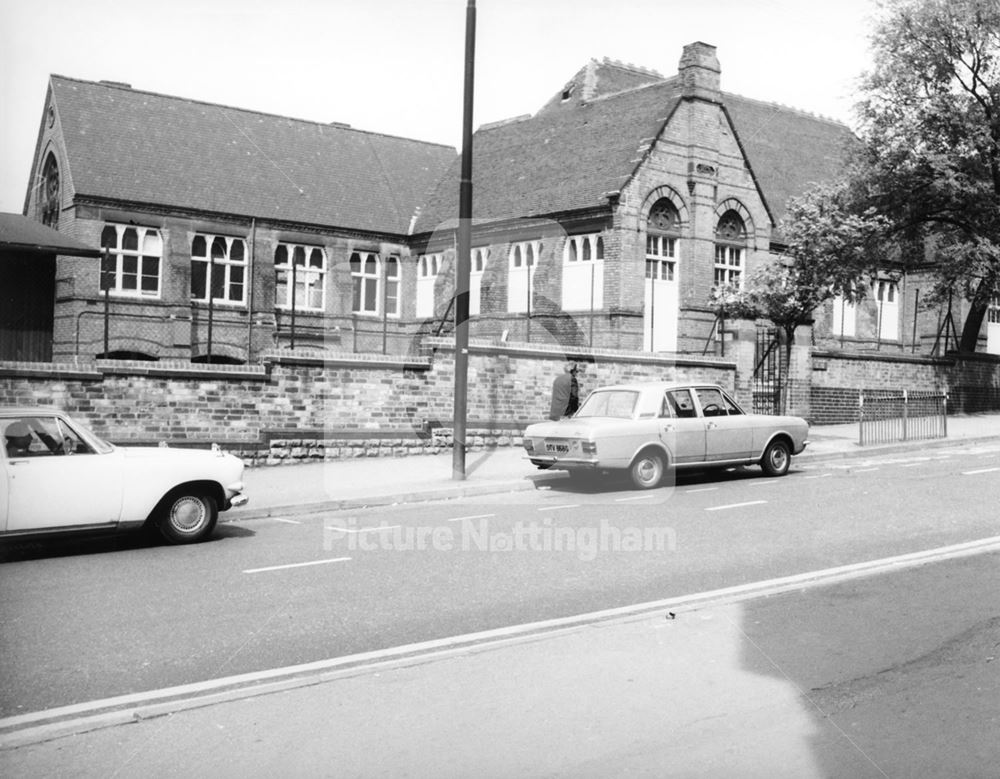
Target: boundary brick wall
{"x":972,"y":382}
{"x":331,"y":407}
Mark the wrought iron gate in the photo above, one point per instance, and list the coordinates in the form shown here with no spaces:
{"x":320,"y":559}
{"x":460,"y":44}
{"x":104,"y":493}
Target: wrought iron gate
{"x":768,"y":372}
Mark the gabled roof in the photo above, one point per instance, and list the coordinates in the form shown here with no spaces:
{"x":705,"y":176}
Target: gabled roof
{"x":557,"y":161}
{"x":23,"y":235}
{"x":588,"y":140}
{"x":788,"y":150}
{"x":127,"y":145}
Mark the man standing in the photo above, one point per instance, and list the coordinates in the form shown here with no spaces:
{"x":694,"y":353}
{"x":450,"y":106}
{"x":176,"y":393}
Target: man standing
{"x":565,"y":393}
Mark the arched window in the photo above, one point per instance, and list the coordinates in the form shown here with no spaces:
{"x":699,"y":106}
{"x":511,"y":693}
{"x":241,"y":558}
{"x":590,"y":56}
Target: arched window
{"x":428,"y":267}
{"x":730,"y":249}
{"x":303,"y":267}
{"x":480,"y":257}
{"x":583,"y":273}
{"x":662,"y":233}
{"x":521,"y":275}
{"x":48,"y":193}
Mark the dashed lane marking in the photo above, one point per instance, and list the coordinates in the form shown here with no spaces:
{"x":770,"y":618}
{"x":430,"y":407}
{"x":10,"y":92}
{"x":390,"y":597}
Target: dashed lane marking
{"x":981,"y":470}
{"x":556,"y":508}
{"x":736,"y":505}
{"x":297,"y":565}
{"x":703,"y":489}
{"x":635,"y":497}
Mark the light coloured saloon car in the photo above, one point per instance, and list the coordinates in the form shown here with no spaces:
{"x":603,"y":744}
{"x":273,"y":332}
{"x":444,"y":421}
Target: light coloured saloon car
{"x":57,"y":476}
{"x":644,"y":429}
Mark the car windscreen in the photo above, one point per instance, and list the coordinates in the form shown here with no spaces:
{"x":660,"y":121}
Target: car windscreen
{"x":609,"y":403}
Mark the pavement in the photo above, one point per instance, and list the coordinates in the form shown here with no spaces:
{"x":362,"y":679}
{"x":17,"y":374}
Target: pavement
{"x":285,"y":490}
{"x":718,"y":684}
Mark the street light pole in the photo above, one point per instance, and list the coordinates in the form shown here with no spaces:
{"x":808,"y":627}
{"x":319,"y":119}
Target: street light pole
{"x":463,"y":260}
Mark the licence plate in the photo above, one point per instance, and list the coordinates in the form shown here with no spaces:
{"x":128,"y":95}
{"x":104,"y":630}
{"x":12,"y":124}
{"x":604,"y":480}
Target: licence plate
{"x":556,"y":448}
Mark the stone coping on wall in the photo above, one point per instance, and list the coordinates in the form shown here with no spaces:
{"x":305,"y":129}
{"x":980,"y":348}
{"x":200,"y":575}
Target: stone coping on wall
{"x":317,"y":358}
{"x":582,"y":354}
{"x":96,"y":370}
{"x":913,"y":359}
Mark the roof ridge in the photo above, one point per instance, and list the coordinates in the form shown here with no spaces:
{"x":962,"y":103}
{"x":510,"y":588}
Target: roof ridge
{"x":632,"y":67}
{"x":121,"y":86}
{"x":667,"y":81}
{"x":783,"y":106}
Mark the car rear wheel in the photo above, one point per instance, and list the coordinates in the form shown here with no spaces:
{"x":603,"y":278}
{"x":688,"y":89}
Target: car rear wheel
{"x":187,"y":516}
{"x":647,"y":469}
{"x":777,"y":457}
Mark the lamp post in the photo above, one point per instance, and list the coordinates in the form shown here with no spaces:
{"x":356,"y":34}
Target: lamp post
{"x":463,"y":259}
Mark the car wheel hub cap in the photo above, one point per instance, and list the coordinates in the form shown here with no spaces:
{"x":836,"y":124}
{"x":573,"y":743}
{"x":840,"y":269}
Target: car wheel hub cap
{"x":187,"y":514}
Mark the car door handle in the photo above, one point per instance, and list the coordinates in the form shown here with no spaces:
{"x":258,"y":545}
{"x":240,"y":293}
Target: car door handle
{"x":668,"y":428}
{"x":711,"y":425}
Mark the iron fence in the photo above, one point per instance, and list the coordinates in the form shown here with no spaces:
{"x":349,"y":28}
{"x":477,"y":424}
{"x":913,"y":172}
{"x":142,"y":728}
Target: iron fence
{"x":885,"y":417}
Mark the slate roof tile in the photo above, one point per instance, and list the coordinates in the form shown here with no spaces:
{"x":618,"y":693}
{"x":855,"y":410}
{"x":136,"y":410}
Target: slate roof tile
{"x":144,"y":147}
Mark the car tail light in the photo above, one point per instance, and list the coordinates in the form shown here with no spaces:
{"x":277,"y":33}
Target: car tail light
{"x":588,"y":447}
{"x":529,"y":446}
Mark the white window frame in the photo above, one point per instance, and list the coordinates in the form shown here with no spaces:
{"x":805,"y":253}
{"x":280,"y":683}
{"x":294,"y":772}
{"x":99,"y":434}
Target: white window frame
{"x":729,"y":264}
{"x":234,"y":272}
{"x":386,"y":298}
{"x":522,"y":262}
{"x":886,"y":294}
{"x":309,"y":278}
{"x":428,"y":268}
{"x":845,"y":317}
{"x":661,"y":257}
{"x":583,"y":273}
{"x":149,"y":246}
{"x":479,"y":260}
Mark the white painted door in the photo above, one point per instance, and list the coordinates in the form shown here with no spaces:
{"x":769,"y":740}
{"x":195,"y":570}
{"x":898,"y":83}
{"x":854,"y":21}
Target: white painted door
{"x":660,"y":307}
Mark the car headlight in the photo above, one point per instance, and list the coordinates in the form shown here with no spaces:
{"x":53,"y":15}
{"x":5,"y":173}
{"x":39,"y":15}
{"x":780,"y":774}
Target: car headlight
{"x":529,"y":446}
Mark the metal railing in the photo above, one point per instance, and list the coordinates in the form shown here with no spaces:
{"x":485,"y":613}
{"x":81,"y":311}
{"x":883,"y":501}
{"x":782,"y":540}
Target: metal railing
{"x":885,"y":417}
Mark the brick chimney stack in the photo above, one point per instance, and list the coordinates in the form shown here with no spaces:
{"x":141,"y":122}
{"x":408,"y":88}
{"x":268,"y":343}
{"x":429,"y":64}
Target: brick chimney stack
{"x":699,"y":72}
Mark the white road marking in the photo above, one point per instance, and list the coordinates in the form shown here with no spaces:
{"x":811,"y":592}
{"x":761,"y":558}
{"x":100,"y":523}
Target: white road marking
{"x":761,"y":483}
{"x":703,"y":489}
{"x":736,"y":505}
{"x":819,"y":476}
{"x":981,"y":470}
{"x":865,"y":470}
{"x":635,"y":497}
{"x":297,"y":565}
{"x":286,"y":521}
{"x":556,"y":508}
{"x":130,"y":707}
{"x":475,"y":516}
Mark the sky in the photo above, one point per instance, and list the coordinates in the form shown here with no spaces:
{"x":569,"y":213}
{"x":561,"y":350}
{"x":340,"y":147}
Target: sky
{"x":397,"y":67}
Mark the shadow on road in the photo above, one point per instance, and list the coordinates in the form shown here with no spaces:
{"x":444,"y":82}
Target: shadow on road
{"x":15,"y":550}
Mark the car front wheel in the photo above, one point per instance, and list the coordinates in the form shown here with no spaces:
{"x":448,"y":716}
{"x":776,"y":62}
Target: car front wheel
{"x":777,"y":457}
{"x":186,"y":517}
{"x":647,"y":470}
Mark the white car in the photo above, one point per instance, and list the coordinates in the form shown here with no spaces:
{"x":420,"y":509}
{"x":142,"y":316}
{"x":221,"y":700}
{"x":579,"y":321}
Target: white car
{"x":57,"y":476}
{"x":645,"y":428}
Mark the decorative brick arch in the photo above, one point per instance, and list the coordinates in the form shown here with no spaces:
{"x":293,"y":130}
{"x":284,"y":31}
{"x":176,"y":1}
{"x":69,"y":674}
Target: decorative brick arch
{"x":732,"y":204}
{"x":658,"y":194}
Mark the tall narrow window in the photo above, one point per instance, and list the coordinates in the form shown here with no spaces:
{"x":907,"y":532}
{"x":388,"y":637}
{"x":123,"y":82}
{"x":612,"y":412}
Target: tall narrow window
{"x":730,"y":246}
{"x":428,"y":267}
{"x":49,"y":193}
{"x":392,"y":286}
{"x":480,"y":257}
{"x":887,"y":306}
{"x":583,"y":273}
{"x":219,"y":264}
{"x":132,"y":260}
{"x":521,"y":275}
{"x":365,"y":277}
{"x":844,"y":317}
{"x":307,"y":266}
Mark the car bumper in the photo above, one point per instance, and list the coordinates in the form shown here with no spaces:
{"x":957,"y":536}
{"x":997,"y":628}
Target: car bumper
{"x":562,"y":462}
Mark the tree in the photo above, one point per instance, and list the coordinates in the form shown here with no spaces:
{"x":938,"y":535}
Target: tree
{"x":831,"y":248}
{"x":930,"y":156}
